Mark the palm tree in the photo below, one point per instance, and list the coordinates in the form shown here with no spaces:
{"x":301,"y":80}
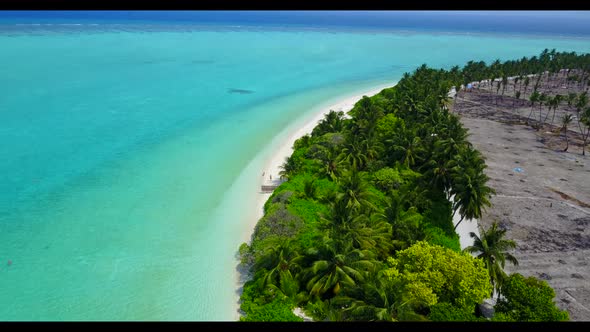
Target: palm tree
{"x":409,"y":146}
{"x":492,"y":248}
{"x":366,"y":234}
{"x":556,"y":101}
{"x":310,"y":188}
{"x":581,"y":102}
{"x":289,"y":167}
{"x":332,"y":165}
{"x":527,"y":81}
{"x":374,"y":300}
{"x":355,"y":190}
{"x":332,"y":269}
{"x":457,"y":89}
{"x":551,"y":102}
{"x":406,"y":225}
{"x":471,"y":194}
{"x":542,"y":100}
{"x":498,"y":90}
{"x":571,"y":99}
{"x":337,"y":223}
{"x":278,"y":264}
{"x":565,"y":121}
{"x":504,"y":84}
{"x":438,"y":169}
{"x":354,"y":155}
{"x":444,"y":99}
{"x":439,"y":172}
{"x":534,"y":97}
{"x":331,"y":123}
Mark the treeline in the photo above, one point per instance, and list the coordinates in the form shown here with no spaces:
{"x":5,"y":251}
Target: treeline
{"x":550,"y":62}
{"x":527,"y":76}
{"x":363,"y":230}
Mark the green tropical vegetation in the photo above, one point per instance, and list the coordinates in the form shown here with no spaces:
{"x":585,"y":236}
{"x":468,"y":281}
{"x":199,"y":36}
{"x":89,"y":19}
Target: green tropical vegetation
{"x":493,"y":249}
{"x":527,"y":300}
{"x":363,"y":227}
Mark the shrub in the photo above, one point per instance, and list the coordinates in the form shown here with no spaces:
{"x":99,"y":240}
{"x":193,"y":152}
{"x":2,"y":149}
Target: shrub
{"x":246,"y":257}
{"x":282,"y":197}
{"x":387,"y":179}
{"x":278,"y":309}
{"x":435,"y":235}
{"x":278,"y":221}
{"x":426,"y":274}
{"x":527,"y":300}
{"x":446,"y":312}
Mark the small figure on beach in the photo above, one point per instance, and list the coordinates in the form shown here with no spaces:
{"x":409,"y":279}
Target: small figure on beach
{"x":270,"y":175}
{"x":263,"y":172}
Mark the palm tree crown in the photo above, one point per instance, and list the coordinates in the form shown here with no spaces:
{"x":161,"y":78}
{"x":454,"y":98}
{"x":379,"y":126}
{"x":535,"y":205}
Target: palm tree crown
{"x":493,"y":249}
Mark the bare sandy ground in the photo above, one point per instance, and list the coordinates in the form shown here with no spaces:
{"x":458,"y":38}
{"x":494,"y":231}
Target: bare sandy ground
{"x":543,"y":196}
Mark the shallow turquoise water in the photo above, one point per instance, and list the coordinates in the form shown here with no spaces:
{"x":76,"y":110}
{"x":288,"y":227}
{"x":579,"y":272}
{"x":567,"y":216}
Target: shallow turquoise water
{"x":119,"y":146}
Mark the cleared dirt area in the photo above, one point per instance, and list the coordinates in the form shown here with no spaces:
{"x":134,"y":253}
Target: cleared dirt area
{"x":543,"y":193}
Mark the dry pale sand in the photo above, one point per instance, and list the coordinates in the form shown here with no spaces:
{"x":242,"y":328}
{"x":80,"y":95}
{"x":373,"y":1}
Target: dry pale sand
{"x":543,"y":197}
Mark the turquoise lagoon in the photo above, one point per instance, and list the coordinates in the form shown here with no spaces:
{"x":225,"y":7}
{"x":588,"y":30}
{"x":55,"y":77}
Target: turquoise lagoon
{"x":120,"y":146}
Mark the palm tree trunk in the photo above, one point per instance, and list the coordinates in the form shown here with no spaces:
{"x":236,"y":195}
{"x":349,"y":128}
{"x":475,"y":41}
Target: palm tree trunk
{"x":546,"y":116}
{"x":531,"y":113}
{"x":585,"y":138}
{"x":540,"y":116}
{"x":460,"y":220}
{"x":553,"y":118}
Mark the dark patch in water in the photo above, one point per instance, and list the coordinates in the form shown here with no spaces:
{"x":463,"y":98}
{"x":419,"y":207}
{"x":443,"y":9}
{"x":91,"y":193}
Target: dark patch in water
{"x":240,"y":91}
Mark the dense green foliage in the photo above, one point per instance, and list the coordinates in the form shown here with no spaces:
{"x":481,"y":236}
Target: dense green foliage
{"x":446,"y":312}
{"x":527,"y":299}
{"x":363,"y":228}
{"x":426,"y":274}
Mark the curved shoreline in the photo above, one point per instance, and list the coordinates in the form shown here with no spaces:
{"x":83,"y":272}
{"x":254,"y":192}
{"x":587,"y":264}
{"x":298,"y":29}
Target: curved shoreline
{"x":281,"y":147}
